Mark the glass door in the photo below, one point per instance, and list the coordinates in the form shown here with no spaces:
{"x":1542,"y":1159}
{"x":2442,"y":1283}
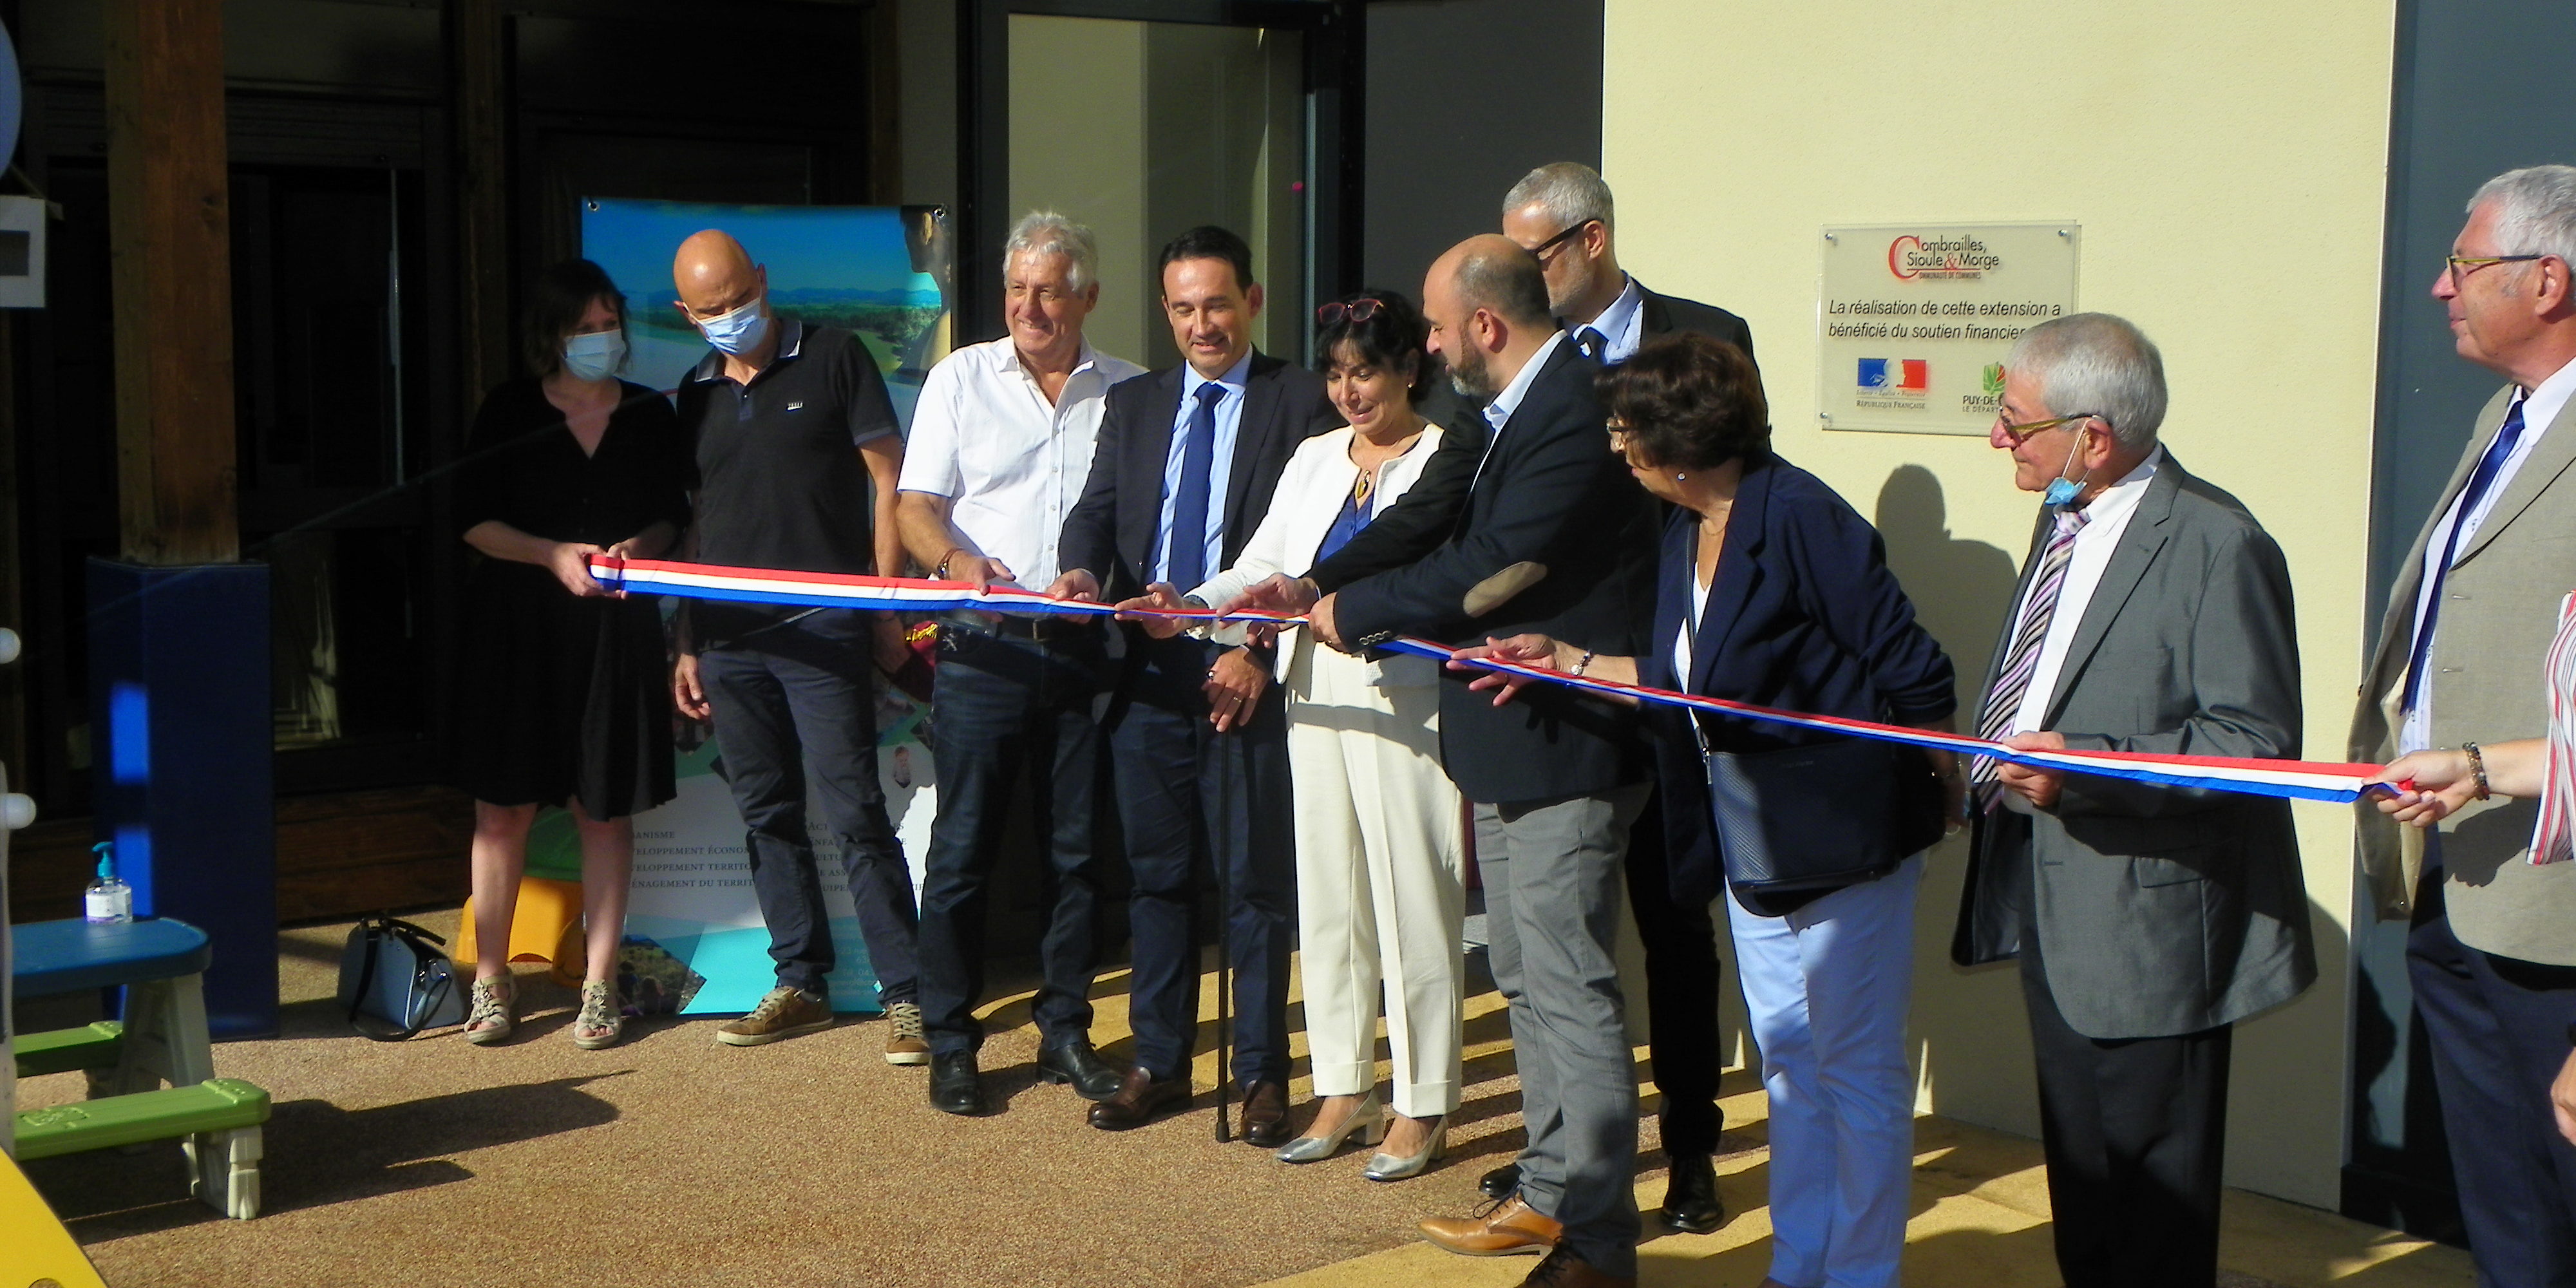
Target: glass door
{"x":1145,"y":120}
{"x":1143,"y":129}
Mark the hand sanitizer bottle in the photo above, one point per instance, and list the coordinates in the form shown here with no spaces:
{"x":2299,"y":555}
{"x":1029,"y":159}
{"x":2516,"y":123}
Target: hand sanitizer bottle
{"x":108,"y":901}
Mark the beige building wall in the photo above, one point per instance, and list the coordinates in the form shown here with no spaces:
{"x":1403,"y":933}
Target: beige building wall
{"x":2227,"y":163}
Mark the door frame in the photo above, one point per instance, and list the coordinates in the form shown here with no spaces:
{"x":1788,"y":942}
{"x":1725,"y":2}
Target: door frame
{"x":1336,"y":58}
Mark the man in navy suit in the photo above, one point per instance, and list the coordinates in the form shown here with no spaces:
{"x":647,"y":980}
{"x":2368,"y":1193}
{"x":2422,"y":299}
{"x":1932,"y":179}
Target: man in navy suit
{"x":1186,"y":461}
{"x":1562,"y":212}
{"x":1551,"y":536}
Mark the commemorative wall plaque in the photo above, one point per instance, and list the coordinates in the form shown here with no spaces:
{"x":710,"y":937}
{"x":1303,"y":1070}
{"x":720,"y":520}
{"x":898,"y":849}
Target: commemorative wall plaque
{"x":1913,"y":320}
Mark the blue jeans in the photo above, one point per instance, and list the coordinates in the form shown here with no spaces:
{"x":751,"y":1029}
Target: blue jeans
{"x":1000,"y":705}
{"x":796,"y":723}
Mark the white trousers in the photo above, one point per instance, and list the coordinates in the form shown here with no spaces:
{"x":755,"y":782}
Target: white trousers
{"x":1381,"y":889}
{"x":1827,"y":987}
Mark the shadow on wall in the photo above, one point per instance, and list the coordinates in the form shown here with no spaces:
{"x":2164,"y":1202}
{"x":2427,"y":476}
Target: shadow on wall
{"x":1961,"y":589}
{"x":1969,"y":1038}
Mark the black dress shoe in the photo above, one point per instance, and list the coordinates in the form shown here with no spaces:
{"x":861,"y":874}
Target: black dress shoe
{"x":956,"y":1086}
{"x":1502,"y":1182}
{"x":1691,"y":1205}
{"x":1265,"y":1115}
{"x":1141,"y":1097}
{"x":1073,"y":1061}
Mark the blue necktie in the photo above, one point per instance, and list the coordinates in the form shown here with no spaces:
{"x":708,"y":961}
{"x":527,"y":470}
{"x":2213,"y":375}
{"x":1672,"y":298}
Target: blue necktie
{"x":1190,"y":504}
{"x":1592,"y":344}
{"x":2480,"y":479}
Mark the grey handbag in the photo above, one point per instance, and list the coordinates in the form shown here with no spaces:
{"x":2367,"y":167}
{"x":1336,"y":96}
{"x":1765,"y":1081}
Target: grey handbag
{"x":395,"y":982}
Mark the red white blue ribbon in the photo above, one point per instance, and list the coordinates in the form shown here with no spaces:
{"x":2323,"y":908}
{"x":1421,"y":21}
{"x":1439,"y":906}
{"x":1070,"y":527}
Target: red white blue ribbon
{"x":2294,"y":779}
{"x":850,"y":590}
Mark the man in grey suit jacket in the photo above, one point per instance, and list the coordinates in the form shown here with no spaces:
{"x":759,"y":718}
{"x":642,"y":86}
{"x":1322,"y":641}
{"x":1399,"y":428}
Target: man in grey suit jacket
{"x":2492,"y":955}
{"x":2154,"y":615}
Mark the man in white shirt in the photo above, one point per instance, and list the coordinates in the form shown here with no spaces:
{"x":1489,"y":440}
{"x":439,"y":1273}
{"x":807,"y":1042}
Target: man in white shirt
{"x":1001,"y":443}
{"x":2154,"y":616}
{"x":2492,"y":950}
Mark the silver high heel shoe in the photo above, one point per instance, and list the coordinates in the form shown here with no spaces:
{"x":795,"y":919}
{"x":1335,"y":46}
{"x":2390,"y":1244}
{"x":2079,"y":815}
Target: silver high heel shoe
{"x":1368,"y":1119}
{"x":1388,"y":1167}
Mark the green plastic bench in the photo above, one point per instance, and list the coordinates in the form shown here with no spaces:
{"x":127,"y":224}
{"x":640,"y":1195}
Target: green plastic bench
{"x":218,"y":1121}
{"x":100,"y":1045}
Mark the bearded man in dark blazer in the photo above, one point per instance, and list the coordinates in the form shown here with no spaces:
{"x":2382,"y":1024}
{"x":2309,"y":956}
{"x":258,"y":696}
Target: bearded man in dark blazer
{"x":1546,"y":533}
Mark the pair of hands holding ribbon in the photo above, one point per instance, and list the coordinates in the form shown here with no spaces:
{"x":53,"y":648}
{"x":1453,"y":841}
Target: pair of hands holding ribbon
{"x":1234,"y":682}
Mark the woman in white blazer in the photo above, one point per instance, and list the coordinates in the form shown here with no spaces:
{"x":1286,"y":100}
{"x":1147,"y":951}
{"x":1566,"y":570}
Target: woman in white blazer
{"x":1380,"y":859}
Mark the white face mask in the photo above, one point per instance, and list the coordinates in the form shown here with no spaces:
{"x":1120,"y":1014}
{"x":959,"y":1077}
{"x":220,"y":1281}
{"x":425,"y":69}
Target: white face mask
{"x":596,"y":356}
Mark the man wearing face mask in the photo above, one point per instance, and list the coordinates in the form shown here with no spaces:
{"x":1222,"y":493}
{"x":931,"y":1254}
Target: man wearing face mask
{"x":2153,"y":616}
{"x":791,"y":427}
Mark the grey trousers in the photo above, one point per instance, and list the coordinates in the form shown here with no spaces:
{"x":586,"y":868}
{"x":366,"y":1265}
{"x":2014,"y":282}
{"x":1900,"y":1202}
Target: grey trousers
{"x":1552,"y":913}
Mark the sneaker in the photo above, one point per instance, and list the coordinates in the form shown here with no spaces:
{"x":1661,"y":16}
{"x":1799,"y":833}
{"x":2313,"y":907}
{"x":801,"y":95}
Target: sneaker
{"x":904,"y":1042}
{"x":783,"y":1013}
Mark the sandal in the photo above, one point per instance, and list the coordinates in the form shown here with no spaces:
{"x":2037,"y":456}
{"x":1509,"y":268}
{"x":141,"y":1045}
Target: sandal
{"x":493,"y":1011}
{"x":600,"y":1021}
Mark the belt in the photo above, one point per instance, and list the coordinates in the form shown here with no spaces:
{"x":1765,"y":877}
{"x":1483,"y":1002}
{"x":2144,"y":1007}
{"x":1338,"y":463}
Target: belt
{"x":1042,"y":630}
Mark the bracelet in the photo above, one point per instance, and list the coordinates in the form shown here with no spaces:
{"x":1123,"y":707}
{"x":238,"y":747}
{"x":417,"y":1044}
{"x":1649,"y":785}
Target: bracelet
{"x":2477,"y":768}
{"x":1584,"y":661}
{"x":941,"y":572}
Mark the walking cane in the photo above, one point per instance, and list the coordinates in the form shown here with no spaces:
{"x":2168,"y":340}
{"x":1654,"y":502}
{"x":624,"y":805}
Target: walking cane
{"x":1220,"y":842}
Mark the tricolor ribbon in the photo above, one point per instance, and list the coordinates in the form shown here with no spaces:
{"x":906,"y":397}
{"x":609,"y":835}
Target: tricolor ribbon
{"x":2294,"y":779}
{"x":850,"y":590}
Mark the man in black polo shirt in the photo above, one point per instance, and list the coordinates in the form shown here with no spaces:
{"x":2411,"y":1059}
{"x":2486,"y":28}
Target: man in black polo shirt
{"x":791,"y":425}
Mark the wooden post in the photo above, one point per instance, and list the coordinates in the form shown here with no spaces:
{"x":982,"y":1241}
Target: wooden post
{"x":478,"y":48}
{"x":169,"y":229}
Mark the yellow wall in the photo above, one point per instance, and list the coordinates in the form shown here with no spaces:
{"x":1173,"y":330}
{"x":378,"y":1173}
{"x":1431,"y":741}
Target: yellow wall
{"x":2227,"y":163}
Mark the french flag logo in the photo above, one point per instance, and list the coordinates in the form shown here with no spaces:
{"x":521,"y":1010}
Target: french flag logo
{"x":1873,"y":373}
{"x":1914,"y":376}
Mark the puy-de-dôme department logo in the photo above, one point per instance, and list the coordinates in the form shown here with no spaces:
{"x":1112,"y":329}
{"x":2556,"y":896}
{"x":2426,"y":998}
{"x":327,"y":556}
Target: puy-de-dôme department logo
{"x":1992,"y":379}
{"x":1960,"y":258}
{"x":1896,"y":376}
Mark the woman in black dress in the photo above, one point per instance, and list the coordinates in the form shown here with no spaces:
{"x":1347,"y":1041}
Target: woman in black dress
{"x":565,"y":695}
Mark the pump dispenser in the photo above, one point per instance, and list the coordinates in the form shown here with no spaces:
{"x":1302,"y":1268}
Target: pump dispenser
{"x":108,"y":901}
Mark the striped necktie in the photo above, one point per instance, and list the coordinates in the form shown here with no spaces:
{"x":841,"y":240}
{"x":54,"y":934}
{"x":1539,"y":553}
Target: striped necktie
{"x":2021,"y":661}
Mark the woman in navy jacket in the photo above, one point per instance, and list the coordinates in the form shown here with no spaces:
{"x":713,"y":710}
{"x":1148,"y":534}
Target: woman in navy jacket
{"x":1773,"y":590}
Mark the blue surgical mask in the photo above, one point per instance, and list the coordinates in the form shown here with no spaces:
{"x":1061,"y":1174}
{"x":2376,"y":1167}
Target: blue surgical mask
{"x":596,"y":356}
{"x":2062,"y":490}
{"x":738,"y":332}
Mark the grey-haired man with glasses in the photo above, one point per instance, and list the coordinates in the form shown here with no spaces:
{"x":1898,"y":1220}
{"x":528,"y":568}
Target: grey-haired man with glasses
{"x":2490,"y":954}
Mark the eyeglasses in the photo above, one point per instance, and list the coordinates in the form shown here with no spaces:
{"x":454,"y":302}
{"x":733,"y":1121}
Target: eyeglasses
{"x":1359,"y":310}
{"x":2462,"y":265}
{"x":1552,"y":243}
{"x":2020,"y":433}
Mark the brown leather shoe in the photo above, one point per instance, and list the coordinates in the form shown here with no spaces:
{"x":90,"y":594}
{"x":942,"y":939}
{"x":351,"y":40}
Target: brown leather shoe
{"x":1265,"y":1115}
{"x":1141,"y":1098}
{"x":1563,"y":1269}
{"x":1501,"y":1230}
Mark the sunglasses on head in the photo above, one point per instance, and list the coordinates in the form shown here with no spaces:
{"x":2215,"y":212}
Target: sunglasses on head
{"x":1359,"y":310}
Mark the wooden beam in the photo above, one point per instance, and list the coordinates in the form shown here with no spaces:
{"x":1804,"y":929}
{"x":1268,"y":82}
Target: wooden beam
{"x":478,"y":54}
{"x":170,"y":240}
